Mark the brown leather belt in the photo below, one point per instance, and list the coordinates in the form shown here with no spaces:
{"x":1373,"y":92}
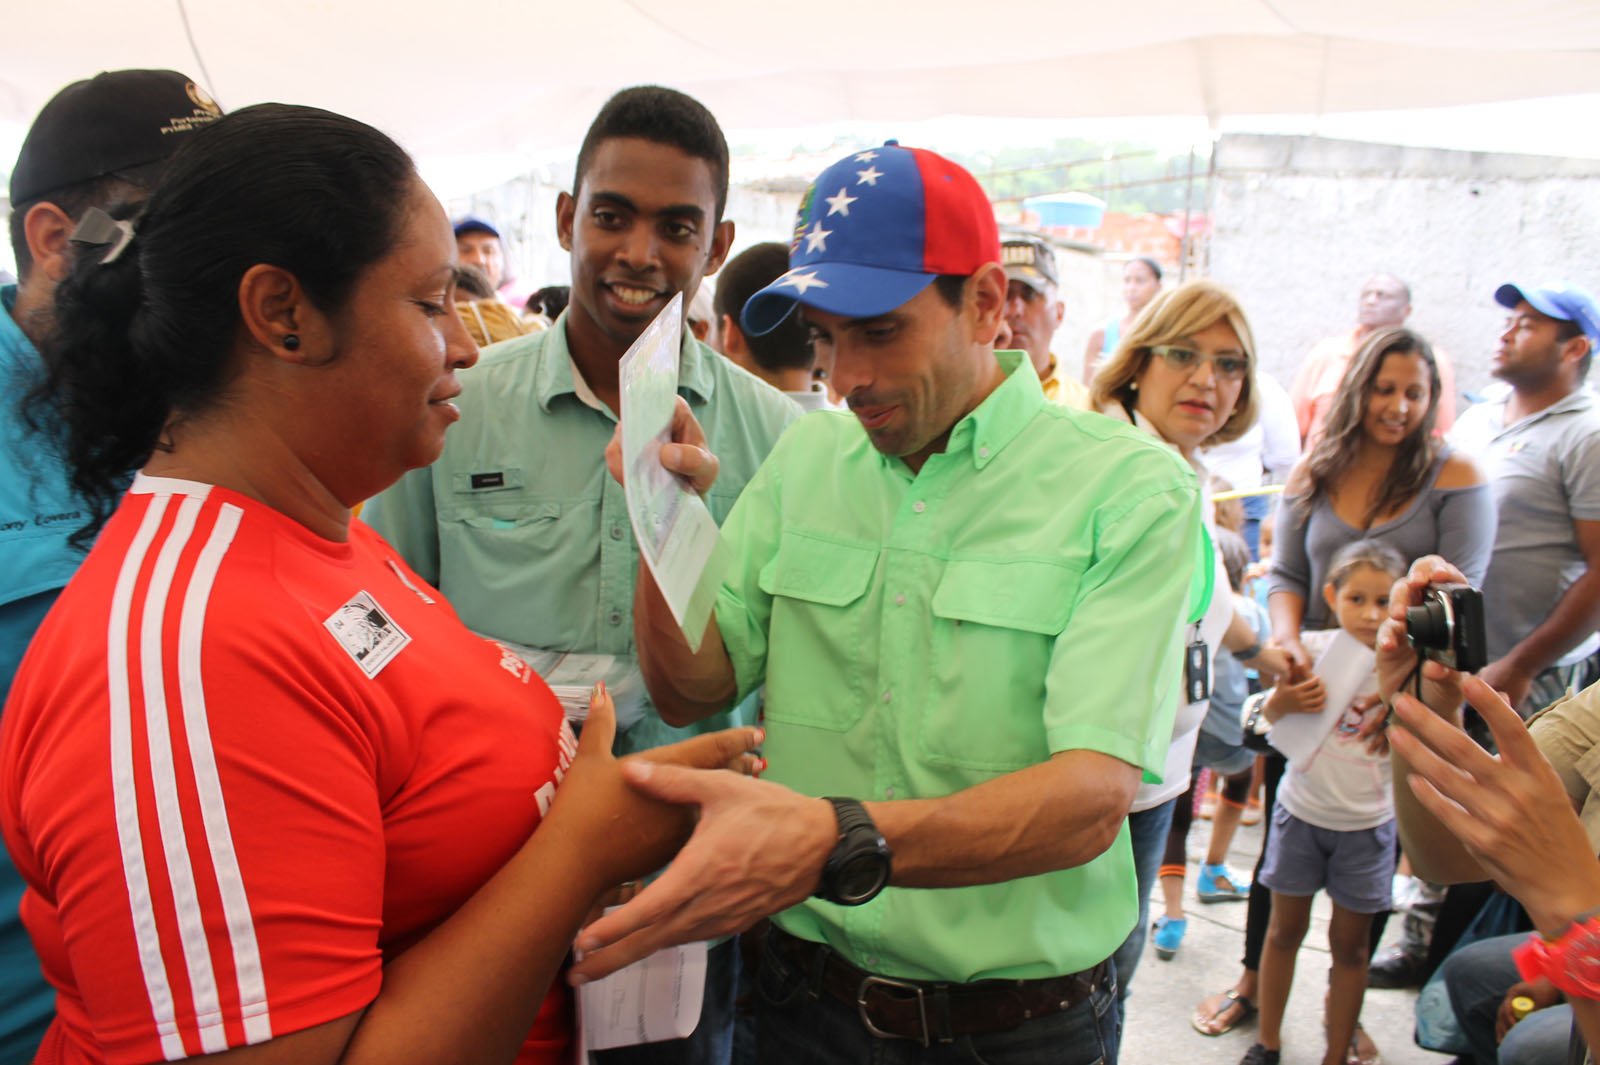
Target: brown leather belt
{"x":934,"y":1012}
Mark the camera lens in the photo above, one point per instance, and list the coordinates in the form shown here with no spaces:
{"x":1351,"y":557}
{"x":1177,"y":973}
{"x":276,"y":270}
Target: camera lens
{"x":1428,"y":625}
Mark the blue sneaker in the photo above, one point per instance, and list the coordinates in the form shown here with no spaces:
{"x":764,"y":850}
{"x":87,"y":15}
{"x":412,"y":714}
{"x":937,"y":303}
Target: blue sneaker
{"x":1217,"y":884}
{"x":1169,"y":936}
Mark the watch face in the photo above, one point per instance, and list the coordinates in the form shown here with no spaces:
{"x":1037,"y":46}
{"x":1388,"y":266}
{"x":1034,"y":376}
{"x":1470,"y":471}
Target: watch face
{"x":861,"y":876}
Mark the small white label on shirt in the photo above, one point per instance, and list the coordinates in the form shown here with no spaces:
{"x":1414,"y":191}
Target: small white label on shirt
{"x":367,"y":632}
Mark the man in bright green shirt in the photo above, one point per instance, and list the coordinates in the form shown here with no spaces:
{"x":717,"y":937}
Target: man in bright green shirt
{"x":962,"y":601}
{"x":517,"y":523}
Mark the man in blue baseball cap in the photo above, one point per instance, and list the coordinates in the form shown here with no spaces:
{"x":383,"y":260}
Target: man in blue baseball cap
{"x":478,"y":244}
{"x":960,"y":599}
{"x":1541,"y":444}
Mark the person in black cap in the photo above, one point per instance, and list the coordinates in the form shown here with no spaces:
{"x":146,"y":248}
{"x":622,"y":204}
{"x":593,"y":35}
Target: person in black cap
{"x":1034,"y":312}
{"x":98,"y":142}
{"x":478,"y":244}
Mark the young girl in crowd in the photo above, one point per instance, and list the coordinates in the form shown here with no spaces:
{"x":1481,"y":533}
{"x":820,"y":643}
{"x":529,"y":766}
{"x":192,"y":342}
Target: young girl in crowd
{"x":1333,"y":824}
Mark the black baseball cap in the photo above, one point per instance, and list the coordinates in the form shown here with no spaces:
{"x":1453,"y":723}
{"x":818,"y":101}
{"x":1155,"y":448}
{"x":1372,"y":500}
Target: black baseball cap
{"x":122,"y":122}
{"x":1029,"y":260}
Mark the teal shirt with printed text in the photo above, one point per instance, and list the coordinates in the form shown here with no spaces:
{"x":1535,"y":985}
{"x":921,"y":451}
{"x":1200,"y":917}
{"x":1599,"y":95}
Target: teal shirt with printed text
{"x":919,"y":634}
{"x":521,"y":527}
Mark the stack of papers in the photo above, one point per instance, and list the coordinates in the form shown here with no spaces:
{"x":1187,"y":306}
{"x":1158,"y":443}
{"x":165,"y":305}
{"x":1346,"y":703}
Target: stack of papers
{"x":572,"y":677}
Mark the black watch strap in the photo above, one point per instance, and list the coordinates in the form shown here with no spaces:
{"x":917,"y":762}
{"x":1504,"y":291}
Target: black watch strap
{"x":851,"y":814}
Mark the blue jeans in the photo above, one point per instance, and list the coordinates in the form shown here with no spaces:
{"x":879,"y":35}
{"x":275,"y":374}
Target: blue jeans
{"x":795,"y":1027}
{"x":711,"y":1043}
{"x":1477,"y":977}
{"x":1147,"y":831}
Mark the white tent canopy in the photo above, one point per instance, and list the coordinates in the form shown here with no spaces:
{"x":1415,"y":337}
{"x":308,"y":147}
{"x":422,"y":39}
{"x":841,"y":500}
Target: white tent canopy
{"x":510,"y":75}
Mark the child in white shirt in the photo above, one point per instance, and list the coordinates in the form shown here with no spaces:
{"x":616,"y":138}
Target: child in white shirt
{"x":1333,"y":825}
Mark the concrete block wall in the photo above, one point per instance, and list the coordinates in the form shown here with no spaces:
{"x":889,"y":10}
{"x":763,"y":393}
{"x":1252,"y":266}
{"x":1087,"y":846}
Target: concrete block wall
{"x":1302,"y":222}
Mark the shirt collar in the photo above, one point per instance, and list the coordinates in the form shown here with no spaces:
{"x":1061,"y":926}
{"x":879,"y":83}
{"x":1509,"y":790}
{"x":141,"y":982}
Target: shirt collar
{"x":998,"y":420}
{"x":12,"y":338}
{"x":1582,"y":399}
{"x":555,"y":373}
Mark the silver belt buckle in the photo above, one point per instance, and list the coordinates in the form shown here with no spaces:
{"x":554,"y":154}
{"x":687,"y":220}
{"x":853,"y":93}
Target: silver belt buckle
{"x":922,"y":1006}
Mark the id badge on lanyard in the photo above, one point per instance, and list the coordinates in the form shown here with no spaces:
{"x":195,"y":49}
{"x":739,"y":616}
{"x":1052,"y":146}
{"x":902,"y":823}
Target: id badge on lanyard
{"x":1196,"y":667}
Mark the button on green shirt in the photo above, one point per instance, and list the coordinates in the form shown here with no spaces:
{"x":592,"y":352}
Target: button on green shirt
{"x":922,"y":633}
{"x":521,"y":527}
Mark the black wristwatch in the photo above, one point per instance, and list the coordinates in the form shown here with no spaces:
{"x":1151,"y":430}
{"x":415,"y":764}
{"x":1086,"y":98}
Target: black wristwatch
{"x":858,"y":868}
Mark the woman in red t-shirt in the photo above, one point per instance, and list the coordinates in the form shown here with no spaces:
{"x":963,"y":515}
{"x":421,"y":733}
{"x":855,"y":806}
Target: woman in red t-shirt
{"x":271,"y":799}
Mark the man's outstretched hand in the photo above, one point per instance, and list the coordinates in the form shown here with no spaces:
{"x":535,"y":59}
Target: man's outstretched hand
{"x":758,"y":848}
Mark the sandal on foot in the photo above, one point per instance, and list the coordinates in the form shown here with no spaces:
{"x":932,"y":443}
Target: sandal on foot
{"x":1259,"y":1055}
{"x":1209,"y":1018}
{"x":1169,"y":935}
{"x":1218,"y":884}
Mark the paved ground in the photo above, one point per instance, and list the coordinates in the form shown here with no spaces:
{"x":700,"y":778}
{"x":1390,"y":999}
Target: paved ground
{"x":1157,"y":1031}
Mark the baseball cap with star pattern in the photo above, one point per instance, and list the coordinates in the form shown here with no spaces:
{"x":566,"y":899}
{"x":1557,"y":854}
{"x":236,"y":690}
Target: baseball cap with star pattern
{"x":874,"y":230}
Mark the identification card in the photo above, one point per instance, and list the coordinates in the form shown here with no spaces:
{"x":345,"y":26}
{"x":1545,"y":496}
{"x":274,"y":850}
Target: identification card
{"x":1197,"y":669}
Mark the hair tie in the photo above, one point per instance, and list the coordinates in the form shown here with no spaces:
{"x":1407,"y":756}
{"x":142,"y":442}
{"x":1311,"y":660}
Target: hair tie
{"x":99,"y":230}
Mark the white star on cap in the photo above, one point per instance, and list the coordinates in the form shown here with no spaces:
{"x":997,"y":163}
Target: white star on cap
{"x":840,"y":204}
{"x":869,"y":176}
{"x":803,"y":281}
{"x":817,"y":239}
{"x":866,"y":157}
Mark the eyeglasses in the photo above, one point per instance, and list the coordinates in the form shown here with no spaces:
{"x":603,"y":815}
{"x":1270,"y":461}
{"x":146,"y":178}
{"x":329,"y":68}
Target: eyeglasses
{"x":1187,"y":361}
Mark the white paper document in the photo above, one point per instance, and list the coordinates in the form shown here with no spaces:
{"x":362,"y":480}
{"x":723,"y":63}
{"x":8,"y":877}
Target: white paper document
{"x":572,"y":676}
{"x":676,"y":534}
{"x":651,"y":1000}
{"x":1343,"y":667}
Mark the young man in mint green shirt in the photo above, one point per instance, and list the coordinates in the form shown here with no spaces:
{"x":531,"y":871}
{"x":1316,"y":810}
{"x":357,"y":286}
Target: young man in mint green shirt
{"x":961,"y":600}
{"x":517,"y":523}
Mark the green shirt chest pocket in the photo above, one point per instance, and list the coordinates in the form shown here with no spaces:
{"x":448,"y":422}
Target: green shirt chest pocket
{"x":820,"y":649}
{"x":490,"y":520}
{"x":994,"y":631}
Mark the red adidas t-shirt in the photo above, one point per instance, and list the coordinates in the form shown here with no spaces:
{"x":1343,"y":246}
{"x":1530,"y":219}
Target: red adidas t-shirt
{"x":241,"y":766}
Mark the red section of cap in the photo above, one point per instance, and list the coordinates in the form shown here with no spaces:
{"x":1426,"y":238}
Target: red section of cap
{"x":959,"y":221}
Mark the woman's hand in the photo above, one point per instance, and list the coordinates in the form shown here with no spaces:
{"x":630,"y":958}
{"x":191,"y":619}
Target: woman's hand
{"x":1272,"y":663}
{"x":1374,"y":723}
{"x":629,"y":833}
{"x":1511,"y":812}
{"x":1299,"y":692}
{"x":1441,"y":687}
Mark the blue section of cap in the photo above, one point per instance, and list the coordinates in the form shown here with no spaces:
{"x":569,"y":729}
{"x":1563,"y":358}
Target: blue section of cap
{"x":1557,"y":299}
{"x":838,"y":288}
{"x":867,"y":209}
{"x":472,"y":222}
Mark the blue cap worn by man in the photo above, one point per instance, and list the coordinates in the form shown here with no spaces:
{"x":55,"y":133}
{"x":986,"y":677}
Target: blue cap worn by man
{"x":961,"y":600}
{"x":478,"y":244}
{"x":95,"y":144}
{"x":1541,"y":445}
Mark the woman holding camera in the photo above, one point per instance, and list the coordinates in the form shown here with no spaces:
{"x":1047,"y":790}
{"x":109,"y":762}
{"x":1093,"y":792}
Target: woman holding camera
{"x":273,"y":802}
{"x":1377,"y":473}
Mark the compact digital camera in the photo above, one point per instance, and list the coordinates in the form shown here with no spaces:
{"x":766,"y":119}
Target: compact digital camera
{"x":1448,"y":627}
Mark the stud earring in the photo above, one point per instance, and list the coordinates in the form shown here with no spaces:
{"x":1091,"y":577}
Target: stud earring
{"x":1133,"y":386}
{"x":291,"y":342}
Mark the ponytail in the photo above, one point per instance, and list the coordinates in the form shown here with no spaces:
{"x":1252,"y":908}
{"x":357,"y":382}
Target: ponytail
{"x":92,"y":398}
